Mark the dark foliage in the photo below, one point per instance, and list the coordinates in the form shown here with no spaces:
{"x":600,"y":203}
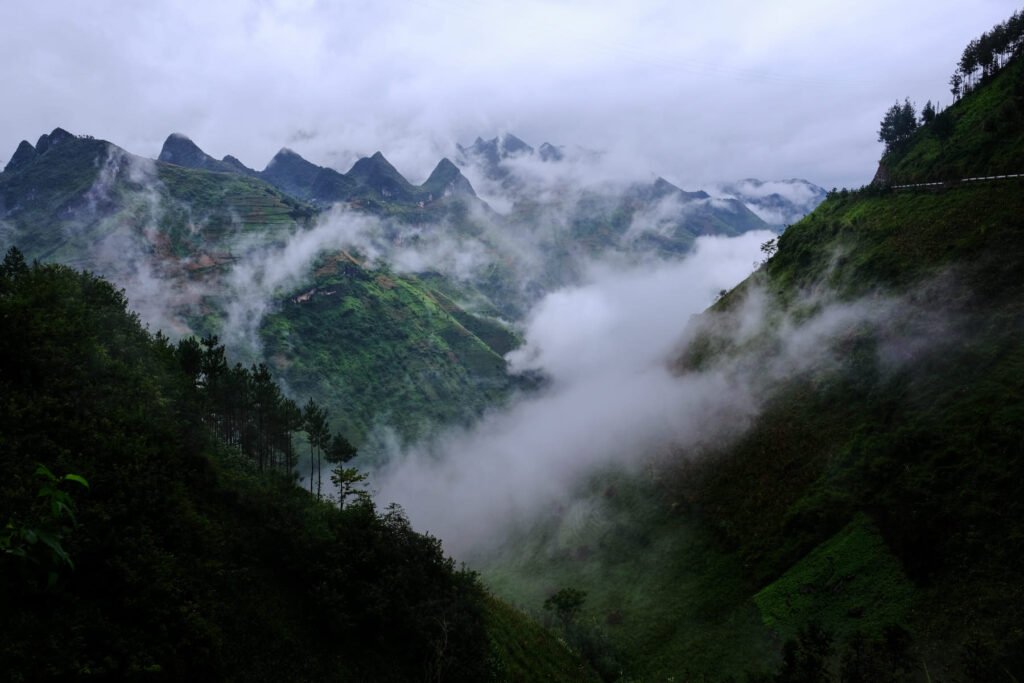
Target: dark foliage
{"x":188,"y":562}
{"x":987,"y":54}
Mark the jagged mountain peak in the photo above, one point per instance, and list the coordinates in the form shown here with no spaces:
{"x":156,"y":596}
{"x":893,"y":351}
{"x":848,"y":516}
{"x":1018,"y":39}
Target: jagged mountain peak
{"x":549,"y":152}
{"x":446,"y":177}
{"x":57,"y":136}
{"x":374,"y":165}
{"x":511,"y":145}
{"x":23,"y":155}
{"x":235,"y":164}
{"x":285,"y":153}
{"x":287,"y":157}
{"x":497,"y":148}
{"x":179,"y":149}
{"x":777,"y":202}
{"x":662,"y":188}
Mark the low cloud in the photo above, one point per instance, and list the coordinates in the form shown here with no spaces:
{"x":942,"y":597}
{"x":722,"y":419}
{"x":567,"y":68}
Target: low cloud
{"x":606,"y":346}
{"x":617,"y":396}
{"x":268,"y":272}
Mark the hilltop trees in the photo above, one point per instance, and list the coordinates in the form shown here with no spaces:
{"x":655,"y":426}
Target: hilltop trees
{"x":987,"y":54}
{"x":898,"y":124}
{"x":566,"y":604}
{"x":982,"y":58}
{"x":927,"y":113}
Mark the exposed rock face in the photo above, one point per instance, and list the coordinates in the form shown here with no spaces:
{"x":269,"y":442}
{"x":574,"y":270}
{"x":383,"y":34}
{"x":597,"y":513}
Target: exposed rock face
{"x":882,"y":176}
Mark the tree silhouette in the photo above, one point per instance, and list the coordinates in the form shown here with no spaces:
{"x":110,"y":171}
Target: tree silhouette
{"x":898,"y":124}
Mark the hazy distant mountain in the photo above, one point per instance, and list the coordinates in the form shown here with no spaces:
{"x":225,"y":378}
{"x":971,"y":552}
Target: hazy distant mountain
{"x":489,"y":154}
{"x":635,"y":217}
{"x":777,"y":202}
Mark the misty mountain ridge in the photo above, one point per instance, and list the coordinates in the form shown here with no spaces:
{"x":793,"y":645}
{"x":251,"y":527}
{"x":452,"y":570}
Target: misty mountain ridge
{"x":370,"y":178}
{"x":285,"y":264}
{"x":213,"y":252}
{"x":777,"y":202}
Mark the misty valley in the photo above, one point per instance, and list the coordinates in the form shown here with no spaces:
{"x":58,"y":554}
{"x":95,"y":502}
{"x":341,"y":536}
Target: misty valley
{"x":545,"y":416}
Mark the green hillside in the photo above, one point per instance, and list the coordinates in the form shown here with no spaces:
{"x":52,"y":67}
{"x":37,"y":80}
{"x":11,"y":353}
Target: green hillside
{"x":166,"y":555}
{"x":383,"y":355}
{"x":867,"y":525}
{"x":386,"y":348}
{"x":981,"y":135}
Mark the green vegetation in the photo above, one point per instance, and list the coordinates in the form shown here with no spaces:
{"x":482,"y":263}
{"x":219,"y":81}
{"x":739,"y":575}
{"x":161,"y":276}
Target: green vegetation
{"x":522,"y":650}
{"x":39,"y":544}
{"x":982,"y":135}
{"x":898,"y":125}
{"x":988,"y":53}
{"x":866,"y":526}
{"x":848,"y":584}
{"x":661,"y":599}
{"x":906,"y":475}
{"x":392,"y":349}
{"x":183,"y":560}
{"x":388,"y":348}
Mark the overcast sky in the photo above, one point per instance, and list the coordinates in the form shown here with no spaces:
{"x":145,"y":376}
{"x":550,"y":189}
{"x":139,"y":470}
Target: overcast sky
{"x":697,"y":94}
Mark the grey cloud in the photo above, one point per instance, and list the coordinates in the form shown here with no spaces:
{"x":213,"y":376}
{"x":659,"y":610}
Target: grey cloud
{"x":616,"y":398}
{"x":700,"y":95}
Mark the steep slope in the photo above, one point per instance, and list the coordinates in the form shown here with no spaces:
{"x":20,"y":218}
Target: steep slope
{"x":64,"y":201}
{"x":921,"y":434}
{"x":981,"y":135}
{"x":181,"y":561}
{"x":657,"y":218}
{"x":869,"y":515}
{"x":296,"y":176}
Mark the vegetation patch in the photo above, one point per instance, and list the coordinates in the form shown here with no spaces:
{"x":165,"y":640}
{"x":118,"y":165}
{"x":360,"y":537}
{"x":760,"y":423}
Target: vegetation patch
{"x":851,"y":583}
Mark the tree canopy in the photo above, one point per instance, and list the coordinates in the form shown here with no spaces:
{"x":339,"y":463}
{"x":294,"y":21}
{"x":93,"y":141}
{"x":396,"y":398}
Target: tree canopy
{"x":898,"y":124}
{"x":192,"y":554}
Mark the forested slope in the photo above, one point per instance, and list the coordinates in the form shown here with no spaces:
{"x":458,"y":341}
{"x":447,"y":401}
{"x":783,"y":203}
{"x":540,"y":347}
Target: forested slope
{"x":866,"y":523}
{"x":182,"y":560}
{"x":909,"y":444}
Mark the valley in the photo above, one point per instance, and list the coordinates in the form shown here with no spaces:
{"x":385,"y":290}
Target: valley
{"x":545,"y":415}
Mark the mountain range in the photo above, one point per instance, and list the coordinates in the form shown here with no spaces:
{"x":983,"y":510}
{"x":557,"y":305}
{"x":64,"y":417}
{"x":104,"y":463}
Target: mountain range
{"x":828,"y":482}
{"x":194,"y":241}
